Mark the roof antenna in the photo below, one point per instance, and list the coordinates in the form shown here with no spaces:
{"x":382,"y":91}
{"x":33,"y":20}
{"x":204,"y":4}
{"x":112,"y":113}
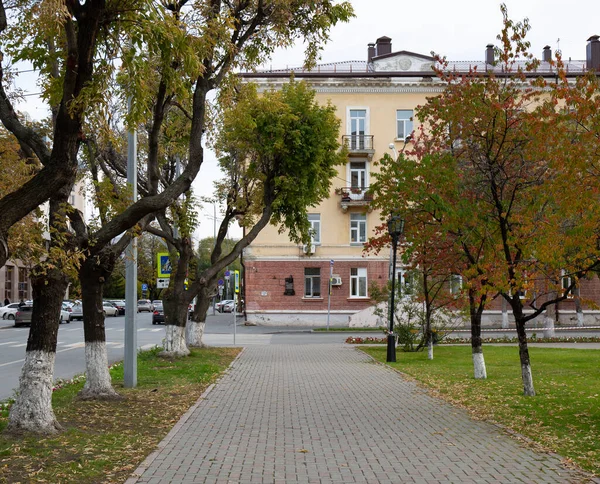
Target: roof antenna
{"x":558,"y":44}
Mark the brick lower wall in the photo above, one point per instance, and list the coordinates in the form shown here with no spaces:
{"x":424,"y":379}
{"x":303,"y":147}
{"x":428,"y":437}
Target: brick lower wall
{"x":265,"y":285}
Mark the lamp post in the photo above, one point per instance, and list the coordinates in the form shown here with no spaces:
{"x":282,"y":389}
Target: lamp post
{"x":395,"y":228}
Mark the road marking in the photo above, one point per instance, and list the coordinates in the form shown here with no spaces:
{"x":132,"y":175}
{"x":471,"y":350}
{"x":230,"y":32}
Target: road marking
{"x":75,"y":345}
{"x":12,"y":362}
{"x":8,"y":343}
{"x":19,"y":345}
{"x":148,"y":347}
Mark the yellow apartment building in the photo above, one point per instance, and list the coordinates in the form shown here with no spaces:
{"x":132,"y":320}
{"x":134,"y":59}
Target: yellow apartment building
{"x":375,"y":99}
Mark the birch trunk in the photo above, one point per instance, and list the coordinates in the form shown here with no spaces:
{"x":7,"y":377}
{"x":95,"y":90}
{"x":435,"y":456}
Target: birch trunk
{"x":430,"y":349}
{"x":98,"y":384}
{"x":32,"y":411}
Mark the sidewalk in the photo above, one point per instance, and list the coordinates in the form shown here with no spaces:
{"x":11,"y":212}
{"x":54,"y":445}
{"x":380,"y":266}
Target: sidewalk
{"x":328,"y":413}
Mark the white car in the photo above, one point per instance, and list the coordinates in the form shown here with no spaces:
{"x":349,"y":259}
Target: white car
{"x":65,"y":316}
{"x":9,"y":311}
{"x":109,"y":309}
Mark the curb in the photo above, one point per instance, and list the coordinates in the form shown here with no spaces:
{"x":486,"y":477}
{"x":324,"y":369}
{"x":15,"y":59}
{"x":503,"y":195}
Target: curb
{"x":135,"y":475}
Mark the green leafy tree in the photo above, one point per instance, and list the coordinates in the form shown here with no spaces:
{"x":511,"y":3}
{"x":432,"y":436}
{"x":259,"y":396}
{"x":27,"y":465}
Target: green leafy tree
{"x":278,"y":152}
{"x":169,"y":60}
{"x":515,"y":217}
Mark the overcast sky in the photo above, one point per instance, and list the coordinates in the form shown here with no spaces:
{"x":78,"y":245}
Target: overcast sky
{"x":458,"y":29}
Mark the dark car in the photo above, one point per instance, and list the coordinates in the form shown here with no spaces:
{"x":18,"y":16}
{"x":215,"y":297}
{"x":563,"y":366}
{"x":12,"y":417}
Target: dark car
{"x":120,"y":305}
{"x":158,"y":315}
{"x":23,"y":316}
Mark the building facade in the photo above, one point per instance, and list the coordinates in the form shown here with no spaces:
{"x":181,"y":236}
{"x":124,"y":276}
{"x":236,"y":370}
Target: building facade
{"x":375,"y":101}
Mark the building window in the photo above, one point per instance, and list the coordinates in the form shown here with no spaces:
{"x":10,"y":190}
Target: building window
{"x":312,"y":282}
{"x":358,"y":228}
{"x":406,"y":282}
{"x":314,"y":219}
{"x":358,"y":128}
{"x":566,"y":283}
{"x":455,"y":283}
{"x":404,"y":124}
{"x":8,"y":283}
{"x":358,"y":282}
{"x":23,"y":283}
{"x":358,"y":174}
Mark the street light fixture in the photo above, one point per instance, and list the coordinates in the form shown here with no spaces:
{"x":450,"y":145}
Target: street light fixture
{"x":395,"y":228}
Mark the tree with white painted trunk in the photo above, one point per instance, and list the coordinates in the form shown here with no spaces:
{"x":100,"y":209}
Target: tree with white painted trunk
{"x":170,"y":64}
{"x":277,"y":152}
{"x":62,"y":43}
{"x":495,"y":132}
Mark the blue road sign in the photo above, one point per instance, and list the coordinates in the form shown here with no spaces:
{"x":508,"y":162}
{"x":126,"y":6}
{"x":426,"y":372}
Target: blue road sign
{"x":221,"y":282}
{"x":144,"y":287}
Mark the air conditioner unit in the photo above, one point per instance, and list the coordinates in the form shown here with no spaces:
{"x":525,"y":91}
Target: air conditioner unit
{"x":308,"y":249}
{"x":336,"y":281}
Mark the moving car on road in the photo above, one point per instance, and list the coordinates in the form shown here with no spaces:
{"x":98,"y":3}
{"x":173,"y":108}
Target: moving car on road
{"x":8,"y":311}
{"x":158,"y":315}
{"x":144,"y":305}
{"x":23,"y":316}
{"x":109,"y":309}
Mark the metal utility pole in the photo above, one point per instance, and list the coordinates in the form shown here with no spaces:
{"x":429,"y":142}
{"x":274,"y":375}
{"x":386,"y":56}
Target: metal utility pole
{"x":329,"y":297}
{"x":130,"y":363}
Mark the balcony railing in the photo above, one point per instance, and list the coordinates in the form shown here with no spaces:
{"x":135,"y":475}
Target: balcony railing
{"x":358,"y":142}
{"x":354,"y":196}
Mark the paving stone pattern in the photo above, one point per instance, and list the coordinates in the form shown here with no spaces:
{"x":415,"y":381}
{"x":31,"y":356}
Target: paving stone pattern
{"x":329,"y":414}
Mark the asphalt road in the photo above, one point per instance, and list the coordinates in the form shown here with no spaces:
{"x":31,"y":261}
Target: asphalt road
{"x":70,"y":351}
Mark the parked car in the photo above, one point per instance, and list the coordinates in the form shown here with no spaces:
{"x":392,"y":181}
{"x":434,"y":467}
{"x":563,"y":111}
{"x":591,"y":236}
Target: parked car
{"x":228,"y":308}
{"x":144,"y":305}
{"x":220,"y":304}
{"x":157,"y":301}
{"x":23,"y":316}
{"x":158,"y":315}
{"x":120,"y":305}
{"x":8,"y":311}
{"x":76,"y":312}
{"x":109,"y":309}
{"x":65,"y":316}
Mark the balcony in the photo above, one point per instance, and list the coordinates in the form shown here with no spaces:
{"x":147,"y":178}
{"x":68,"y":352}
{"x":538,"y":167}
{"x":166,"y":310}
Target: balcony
{"x":354,"y":197}
{"x":359,"y":144}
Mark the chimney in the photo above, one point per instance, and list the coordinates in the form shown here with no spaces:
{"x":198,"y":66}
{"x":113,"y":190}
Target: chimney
{"x":370,"y":52}
{"x":547,"y":54}
{"x":489,"y":54}
{"x":593,"y":53}
{"x":384,"y":46}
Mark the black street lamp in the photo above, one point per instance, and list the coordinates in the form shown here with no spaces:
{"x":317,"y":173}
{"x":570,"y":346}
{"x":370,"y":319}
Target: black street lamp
{"x":395,"y":228}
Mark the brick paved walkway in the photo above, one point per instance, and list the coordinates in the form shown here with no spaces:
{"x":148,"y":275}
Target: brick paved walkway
{"x":327,"y":413}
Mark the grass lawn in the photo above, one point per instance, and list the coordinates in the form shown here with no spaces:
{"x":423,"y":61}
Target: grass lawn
{"x":563,"y":417}
{"x":104,"y":442}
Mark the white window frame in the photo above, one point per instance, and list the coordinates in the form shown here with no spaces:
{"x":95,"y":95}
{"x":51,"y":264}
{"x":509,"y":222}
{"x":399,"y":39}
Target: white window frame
{"x":355,"y":227}
{"x":367,"y":118}
{"x":314,"y":219}
{"x":312,"y":277}
{"x":356,"y":275}
{"x":350,"y":170}
{"x":407,"y":123}
{"x":565,"y":282}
